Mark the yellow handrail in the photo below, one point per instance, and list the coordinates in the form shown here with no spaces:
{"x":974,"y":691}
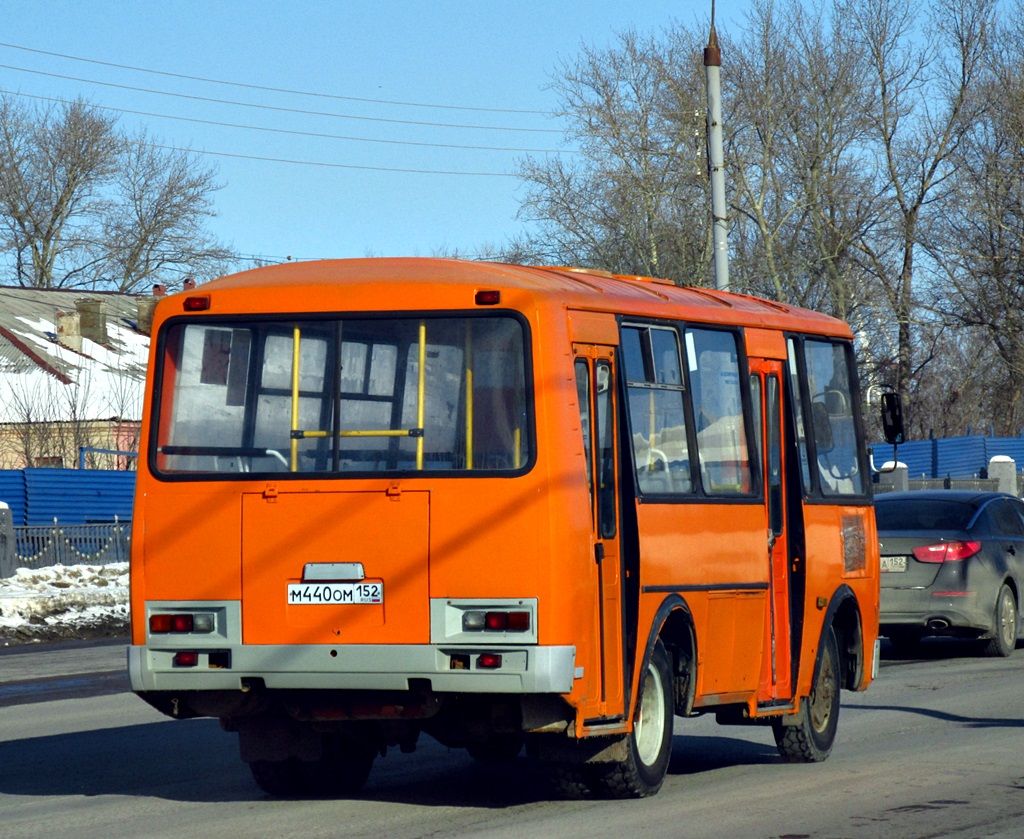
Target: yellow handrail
{"x":369,"y":432}
{"x":468,"y":358}
{"x":296,"y":338}
{"x":421,"y":391}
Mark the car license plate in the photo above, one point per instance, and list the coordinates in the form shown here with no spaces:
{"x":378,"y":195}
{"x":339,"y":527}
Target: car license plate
{"x":333,"y":594}
{"x":894,"y":563}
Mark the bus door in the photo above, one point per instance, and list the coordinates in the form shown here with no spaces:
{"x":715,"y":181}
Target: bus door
{"x":776,"y":682}
{"x":595,"y":386}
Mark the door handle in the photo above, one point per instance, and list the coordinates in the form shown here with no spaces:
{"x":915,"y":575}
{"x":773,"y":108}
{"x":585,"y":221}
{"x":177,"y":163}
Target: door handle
{"x":599,"y":552}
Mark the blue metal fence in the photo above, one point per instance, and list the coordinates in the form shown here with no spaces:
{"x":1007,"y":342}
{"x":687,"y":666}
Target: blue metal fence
{"x":72,"y":496}
{"x":951,"y":457}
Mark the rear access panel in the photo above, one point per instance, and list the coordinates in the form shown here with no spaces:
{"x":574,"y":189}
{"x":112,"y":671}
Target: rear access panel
{"x":335,"y":568}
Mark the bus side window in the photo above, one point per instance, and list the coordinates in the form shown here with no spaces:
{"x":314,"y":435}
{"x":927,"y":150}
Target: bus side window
{"x":825,"y":381}
{"x":605,"y":431}
{"x":798,"y":415}
{"x":655,"y":390}
{"x":833,"y":423}
{"x":713,"y":360}
{"x":583,"y":398}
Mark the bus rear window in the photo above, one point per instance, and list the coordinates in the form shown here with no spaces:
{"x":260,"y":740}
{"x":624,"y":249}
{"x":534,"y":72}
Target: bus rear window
{"x":400,"y":394}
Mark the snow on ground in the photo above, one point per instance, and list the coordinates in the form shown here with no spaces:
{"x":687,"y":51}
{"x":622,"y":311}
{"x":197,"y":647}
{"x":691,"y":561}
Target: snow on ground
{"x":59,"y":602}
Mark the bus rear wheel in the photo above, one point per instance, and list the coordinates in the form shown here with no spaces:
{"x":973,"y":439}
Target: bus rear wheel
{"x":811,"y":740}
{"x":342,"y":770}
{"x":650,"y":742}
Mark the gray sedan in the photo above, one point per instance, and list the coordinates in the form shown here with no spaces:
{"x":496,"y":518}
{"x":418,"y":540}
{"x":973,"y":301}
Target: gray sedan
{"x":952,"y":564}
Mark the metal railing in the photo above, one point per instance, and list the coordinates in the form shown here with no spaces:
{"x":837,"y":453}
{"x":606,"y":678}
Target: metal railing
{"x":37,"y":546}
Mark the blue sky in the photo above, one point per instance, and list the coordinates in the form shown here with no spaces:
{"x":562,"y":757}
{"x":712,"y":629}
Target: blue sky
{"x":489,"y":63}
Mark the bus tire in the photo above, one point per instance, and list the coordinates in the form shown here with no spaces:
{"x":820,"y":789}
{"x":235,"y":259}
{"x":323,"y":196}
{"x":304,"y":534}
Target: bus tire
{"x":1004,"y":626}
{"x":498,"y":748}
{"x":811,"y":740}
{"x":571,"y":781}
{"x":650,"y":742}
{"x":341,"y":771}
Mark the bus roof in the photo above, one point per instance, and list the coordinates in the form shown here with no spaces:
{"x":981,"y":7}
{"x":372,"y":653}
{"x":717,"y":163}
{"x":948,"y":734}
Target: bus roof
{"x":574,"y":288}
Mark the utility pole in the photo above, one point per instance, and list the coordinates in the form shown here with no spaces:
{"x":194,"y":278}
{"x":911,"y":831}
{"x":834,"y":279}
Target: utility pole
{"x":716,"y":156}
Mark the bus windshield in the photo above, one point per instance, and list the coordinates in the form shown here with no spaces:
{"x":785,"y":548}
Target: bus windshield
{"x":393,"y":395}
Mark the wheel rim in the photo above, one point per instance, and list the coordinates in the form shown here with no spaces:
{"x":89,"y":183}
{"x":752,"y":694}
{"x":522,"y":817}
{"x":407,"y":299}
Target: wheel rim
{"x":649,"y":727}
{"x":1007,"y":619}
{"x":823,"y":695}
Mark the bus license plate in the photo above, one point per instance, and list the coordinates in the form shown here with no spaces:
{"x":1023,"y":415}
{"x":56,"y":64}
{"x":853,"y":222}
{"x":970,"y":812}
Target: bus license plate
{"x":334,"y":594}
{"x":894,"y":563}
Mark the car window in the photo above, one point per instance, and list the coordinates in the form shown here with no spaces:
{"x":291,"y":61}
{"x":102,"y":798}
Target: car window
{"x":1005,"y":519}
{"x":922,"y":514}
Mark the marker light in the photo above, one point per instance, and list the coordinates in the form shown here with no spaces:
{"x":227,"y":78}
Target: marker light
{"x":488,"y":297}
{"x":197,"y":303}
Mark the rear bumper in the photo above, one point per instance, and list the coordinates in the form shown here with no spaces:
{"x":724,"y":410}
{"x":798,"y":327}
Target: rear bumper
{"x":941,"y":619}
{"x":440,"y":668}
{"x":920,"y":609}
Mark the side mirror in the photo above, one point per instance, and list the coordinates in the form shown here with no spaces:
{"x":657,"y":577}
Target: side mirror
{"x":892,"y":418}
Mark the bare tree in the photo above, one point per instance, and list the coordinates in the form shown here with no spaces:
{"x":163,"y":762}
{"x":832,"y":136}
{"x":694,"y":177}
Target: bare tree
{"x":925,"y":98}
{"x":82,"y":205}
{"x":978,"y":239}
{"x":798,"y":96}
{"x":154,"y":230}
{"x":54,"y":166}
{"x":634,"y":198}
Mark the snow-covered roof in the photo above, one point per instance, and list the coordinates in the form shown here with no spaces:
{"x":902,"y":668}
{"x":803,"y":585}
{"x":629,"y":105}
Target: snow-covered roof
{"x":70,"y":355}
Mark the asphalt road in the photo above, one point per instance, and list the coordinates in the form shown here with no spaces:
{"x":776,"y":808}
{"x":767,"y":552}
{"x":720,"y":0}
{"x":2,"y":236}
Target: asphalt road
{"x":935,"y":749}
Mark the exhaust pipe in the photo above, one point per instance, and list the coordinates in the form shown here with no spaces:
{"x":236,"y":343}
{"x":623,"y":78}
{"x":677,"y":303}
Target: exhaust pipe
{"x":938,"y":624}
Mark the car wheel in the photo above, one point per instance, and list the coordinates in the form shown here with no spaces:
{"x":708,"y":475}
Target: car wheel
{"x":1004,"y":625}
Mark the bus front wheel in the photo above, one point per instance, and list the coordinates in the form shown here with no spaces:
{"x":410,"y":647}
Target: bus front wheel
{"x":811,"y":740}
{"x":650,"y":742}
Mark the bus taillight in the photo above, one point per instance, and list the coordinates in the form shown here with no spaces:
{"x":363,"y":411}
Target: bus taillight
{"x":496,"y":621}
{"x":162,"y":623}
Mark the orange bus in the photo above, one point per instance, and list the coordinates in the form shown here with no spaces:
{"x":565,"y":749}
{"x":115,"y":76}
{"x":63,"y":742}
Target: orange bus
{"x":504,"y":506}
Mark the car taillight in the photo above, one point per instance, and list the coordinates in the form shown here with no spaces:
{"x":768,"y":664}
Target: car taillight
{"x":947,"y":551}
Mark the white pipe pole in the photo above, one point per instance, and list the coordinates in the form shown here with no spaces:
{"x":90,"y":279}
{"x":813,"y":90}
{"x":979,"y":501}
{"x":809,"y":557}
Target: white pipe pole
{"x":716,"y":157}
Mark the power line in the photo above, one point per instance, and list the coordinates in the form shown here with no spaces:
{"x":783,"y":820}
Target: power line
{"x":274,"y":89}
{"x":332,"y":165}
{"x":278,"y":108}
{"x":290,"y":130}
{"x":324,"y":164}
